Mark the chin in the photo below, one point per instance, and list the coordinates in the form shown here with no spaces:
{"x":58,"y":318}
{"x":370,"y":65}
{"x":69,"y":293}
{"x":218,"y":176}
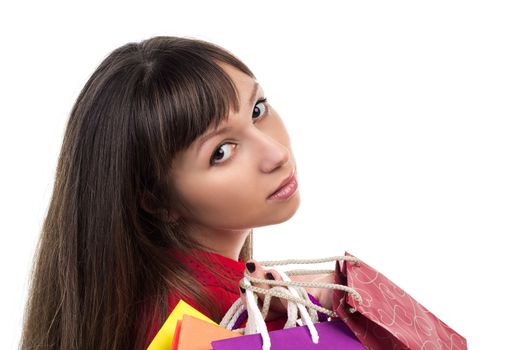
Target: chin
{"x":287,"y":211}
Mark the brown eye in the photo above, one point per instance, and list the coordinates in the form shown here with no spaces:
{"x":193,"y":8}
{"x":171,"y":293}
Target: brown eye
{"x":222,"y":153}
{"x":259,"y":110}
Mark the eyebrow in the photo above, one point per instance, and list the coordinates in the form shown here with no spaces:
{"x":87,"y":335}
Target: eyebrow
{"x":226,"y":128}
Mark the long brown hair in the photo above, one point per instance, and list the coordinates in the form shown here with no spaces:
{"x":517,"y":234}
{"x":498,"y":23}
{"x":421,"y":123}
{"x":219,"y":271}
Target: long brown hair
{"x":101,"y":257}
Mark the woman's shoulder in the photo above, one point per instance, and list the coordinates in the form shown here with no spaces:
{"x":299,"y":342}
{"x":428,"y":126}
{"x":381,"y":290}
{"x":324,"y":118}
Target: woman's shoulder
{"x":219,"y":276}
{"x":212,"y":270}
{"x":198,"y":258}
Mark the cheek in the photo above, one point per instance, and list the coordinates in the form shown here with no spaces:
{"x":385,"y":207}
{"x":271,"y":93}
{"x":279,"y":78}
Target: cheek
{"x":224,"y":196}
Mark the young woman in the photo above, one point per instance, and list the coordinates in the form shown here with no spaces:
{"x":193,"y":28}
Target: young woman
{"x":171,"y":155}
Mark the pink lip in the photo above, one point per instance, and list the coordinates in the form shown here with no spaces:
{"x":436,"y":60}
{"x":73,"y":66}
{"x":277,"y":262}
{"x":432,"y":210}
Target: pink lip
{"x":286,"y":189}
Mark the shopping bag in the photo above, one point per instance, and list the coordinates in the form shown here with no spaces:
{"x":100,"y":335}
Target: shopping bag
{"x":388,"y":318}
{"x":195,"y":334}
{"x":302,"y":329}
{"x":164,"y":337}
{"x":333,"y":335}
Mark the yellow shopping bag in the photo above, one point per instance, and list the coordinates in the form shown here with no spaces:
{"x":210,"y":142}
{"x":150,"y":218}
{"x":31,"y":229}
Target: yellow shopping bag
{"x":164,"y":337}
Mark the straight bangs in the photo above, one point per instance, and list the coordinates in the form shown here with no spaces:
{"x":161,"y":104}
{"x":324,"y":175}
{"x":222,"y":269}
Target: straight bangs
{"x":182,"y":93}
{"x":188,"y":98}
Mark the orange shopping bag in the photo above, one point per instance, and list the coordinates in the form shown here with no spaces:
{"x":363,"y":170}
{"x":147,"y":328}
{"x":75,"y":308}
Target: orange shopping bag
{"x":194,"y":334}
{"x":164,"y":338}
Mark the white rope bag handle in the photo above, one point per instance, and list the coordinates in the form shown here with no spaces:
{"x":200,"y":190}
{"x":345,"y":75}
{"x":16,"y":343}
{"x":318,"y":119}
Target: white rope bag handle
{"x":293,"y":291}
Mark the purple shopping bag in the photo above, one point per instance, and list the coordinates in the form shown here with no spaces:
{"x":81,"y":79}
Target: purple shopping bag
{"x":333,"y":335}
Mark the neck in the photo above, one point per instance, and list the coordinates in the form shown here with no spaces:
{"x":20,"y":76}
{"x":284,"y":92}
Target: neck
{"x":227,"y":243}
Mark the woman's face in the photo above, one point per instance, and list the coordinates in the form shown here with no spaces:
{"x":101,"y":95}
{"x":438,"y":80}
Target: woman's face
{"x":225,"y":180}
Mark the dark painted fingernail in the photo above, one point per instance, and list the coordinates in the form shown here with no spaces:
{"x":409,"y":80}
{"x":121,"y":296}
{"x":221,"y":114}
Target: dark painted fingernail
{"x":250,"y":266}
{"x":269,"y":276}
{"x":242,"y":290}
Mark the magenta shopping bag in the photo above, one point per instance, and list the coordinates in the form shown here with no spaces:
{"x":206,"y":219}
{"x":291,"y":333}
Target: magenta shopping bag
{"x":333,"y":335}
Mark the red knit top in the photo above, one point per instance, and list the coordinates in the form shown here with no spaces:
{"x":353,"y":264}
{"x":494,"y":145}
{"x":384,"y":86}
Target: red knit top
{"x":224,"y":292}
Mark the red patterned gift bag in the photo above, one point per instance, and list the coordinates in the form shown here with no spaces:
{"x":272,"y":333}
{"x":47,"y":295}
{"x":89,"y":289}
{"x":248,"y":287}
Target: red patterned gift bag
{"x":387,"y":317}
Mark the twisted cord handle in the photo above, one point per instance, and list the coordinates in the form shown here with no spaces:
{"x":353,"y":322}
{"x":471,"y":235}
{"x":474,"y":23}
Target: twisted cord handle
{"x":352,"y":259}
{"x":303,"y":284}
{"x":235,"y":310}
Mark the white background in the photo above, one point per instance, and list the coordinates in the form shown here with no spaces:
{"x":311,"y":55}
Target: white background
{"x":406,"y":119}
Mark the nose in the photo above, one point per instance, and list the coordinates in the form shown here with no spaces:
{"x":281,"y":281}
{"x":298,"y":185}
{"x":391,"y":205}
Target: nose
{"x":273,"y":154}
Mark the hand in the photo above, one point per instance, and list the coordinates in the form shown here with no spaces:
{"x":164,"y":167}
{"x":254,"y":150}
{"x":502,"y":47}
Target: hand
{"x":324,"y":295}
{"x":278,"y":306}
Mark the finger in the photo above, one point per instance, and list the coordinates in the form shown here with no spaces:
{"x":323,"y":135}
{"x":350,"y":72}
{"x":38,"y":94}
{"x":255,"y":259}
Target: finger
{"x":243,"y":295}
{"x":273,"y":275}
{"x":250,"y":267}
{"x":256,"y":270}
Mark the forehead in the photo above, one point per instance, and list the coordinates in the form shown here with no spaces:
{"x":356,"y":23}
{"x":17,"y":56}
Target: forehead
{"x":245,"y":86}
{"x":241,"y":80}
